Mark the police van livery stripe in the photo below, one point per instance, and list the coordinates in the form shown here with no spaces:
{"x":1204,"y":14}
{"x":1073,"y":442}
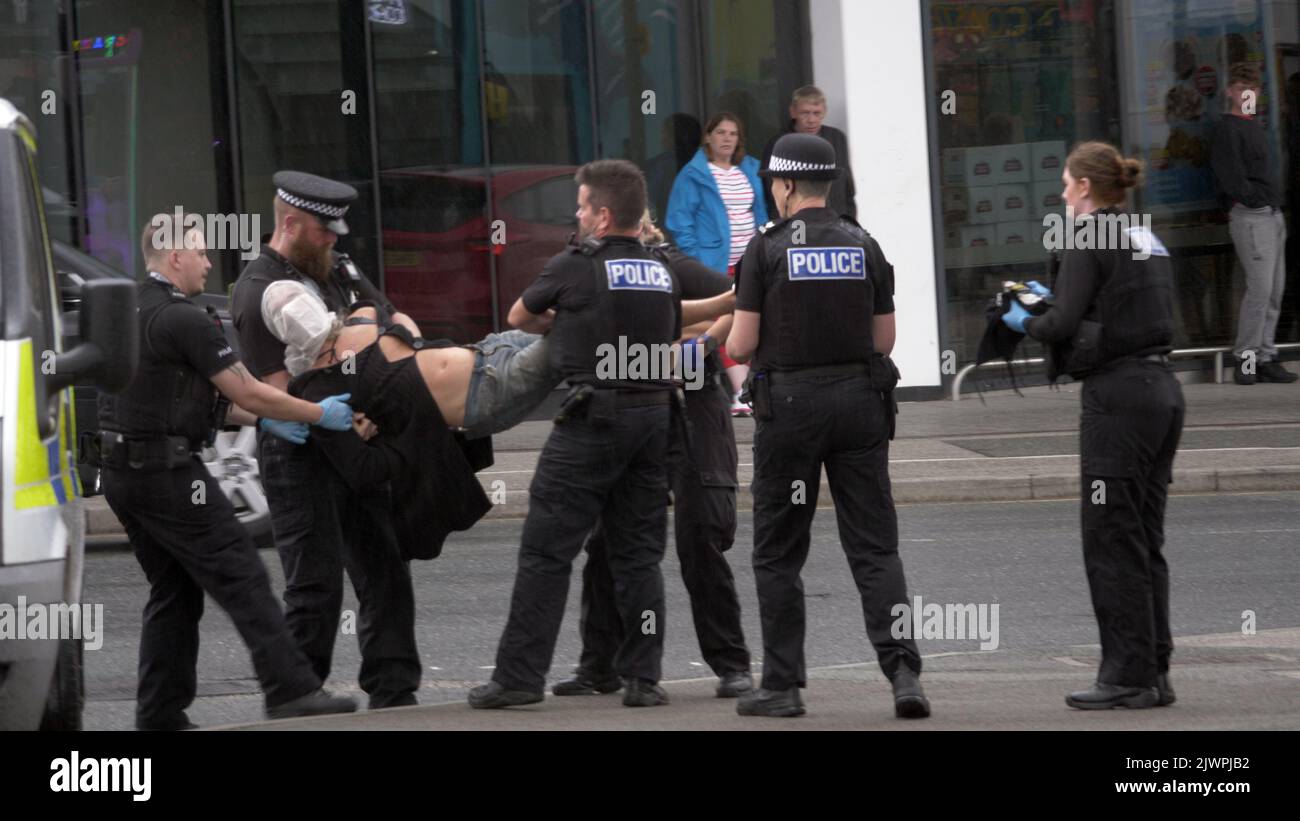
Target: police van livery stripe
{"x":638,"y":275}
{"x":39,"y":477}
{"x":814,"y":264}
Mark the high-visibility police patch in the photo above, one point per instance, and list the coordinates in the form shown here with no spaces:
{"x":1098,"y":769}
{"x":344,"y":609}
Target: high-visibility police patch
{"x":826,"y":263}
{"x":638,"y":275}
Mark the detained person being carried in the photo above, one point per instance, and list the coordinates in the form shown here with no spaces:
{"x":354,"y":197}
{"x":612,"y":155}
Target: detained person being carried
{"x":435,"y":403}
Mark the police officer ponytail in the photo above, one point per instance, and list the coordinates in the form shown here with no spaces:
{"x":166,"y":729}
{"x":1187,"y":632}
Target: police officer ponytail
{"x":1110,"y":173}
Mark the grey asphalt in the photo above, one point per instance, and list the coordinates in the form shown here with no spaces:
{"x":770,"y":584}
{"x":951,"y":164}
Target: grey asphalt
{"x":1229,"y":553}
{"x":1009,"y":447}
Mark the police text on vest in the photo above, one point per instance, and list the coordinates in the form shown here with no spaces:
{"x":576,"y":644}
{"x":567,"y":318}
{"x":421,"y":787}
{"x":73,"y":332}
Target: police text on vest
{"x":638,"y":275}
{"x":75,"y":774}
{"x":826,"y":263}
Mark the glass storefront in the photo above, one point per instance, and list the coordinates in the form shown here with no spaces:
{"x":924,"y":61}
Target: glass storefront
{"x":460,"y":122}
{"x":1031,"y":79}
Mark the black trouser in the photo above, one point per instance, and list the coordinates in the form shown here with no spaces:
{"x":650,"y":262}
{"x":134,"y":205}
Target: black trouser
{"x":1132,"y":420}
{"x":320,"y":529}
{"x":842,"y":423}
{"x":613,"y":471}
{"x":186,"y":537}
{"x":704,"y":522}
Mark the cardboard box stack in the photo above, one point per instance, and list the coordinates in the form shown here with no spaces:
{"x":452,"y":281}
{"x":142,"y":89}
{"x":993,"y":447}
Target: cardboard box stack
{"x":998,"y":195}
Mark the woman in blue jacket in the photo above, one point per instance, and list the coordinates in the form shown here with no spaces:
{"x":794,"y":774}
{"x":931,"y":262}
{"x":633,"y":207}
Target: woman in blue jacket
{"x":715,"y":209}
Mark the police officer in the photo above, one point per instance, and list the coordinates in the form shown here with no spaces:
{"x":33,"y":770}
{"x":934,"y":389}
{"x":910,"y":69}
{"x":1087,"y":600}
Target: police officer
{"x":702,"y":475}
{"x":815,"y":310}
{"x":181,"y":526}
{"x":613,"y":301}
{"x":320,"y":527}
{"x":1112,"y":326}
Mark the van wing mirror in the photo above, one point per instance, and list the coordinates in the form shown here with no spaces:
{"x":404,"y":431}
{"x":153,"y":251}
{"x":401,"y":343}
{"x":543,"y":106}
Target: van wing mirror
{"x":110,"y":339}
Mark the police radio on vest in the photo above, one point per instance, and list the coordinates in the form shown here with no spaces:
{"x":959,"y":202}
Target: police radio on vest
{"x":826,"y":263}
{"x":637,"y":275}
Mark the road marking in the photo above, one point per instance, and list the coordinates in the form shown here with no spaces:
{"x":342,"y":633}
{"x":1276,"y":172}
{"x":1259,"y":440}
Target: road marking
{"x":1287,"y":673}
{"x":975,"y":458}
{"x":489,"y":667}
{"x":1070,"y":661}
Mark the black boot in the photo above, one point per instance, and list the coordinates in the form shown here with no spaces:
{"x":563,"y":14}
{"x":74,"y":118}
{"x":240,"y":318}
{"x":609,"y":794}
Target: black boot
{"x":770,"y":703}
{"x":641,"y":693}
{"x":909,"y":698}
{"x":1106,"y":696}
{"x":735,"y":684}
{"x":493,"y":696}
{"x":316,"y":703}
{"x":585,"y":684}
{"x":1165,"y":690}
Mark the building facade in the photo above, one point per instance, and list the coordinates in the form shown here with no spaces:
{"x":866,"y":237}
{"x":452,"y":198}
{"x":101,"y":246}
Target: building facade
{"x":461,"y":123}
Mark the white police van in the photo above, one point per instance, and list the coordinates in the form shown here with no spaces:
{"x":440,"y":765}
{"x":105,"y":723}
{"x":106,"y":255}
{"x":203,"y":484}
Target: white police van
{"x":42,"y":524}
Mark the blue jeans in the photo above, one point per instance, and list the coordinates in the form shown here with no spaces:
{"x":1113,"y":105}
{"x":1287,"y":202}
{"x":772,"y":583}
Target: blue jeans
{"x":512,"y":376}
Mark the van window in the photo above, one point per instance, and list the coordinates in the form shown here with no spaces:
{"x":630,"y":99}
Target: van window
{"x":40,"y":281}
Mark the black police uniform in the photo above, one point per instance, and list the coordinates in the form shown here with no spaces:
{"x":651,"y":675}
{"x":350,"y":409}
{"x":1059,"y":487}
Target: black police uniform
{"x":702,"y":475}
{"x":181,"y":526}
{"x":821,"y":396}
{"x":605,"y":461}
{"x":1113,"y":326}
{"x":306,"y":496}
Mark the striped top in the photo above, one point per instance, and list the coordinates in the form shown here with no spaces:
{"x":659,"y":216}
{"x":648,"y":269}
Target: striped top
{"x":738,"y":199}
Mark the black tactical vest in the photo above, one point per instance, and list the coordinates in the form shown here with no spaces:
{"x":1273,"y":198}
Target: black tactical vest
{"x":820,"y":295}
{"x":1131,"y":315}
{"x":630,"y":322}
{"x":167,"y":396}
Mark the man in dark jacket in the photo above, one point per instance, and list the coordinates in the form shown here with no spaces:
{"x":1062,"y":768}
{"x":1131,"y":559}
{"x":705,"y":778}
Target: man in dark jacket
{"x":807,"y":110}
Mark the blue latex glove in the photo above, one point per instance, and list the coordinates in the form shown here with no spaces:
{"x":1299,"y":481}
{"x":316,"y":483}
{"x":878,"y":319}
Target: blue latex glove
{"x":1038,"y":288}
{"x":694,"y":352}
{"x":338,"y":414}
{"x":1016,"y":316}
{"x":295,"y":432}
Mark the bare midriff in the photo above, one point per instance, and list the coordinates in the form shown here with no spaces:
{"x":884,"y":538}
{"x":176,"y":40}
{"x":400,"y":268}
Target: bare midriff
{"x":446,"y":371}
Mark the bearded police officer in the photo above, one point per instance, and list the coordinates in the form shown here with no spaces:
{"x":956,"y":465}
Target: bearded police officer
{"x":605,"y":458}
{"x":1111,"y":325}
{"x":815,"y":310}
{"x":320,"y":527}
{"x":182,"y":528}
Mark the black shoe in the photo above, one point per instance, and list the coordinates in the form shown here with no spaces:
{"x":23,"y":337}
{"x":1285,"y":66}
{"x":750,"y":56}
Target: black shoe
{"x":735,"y":684}
{"x":180,"y":722}
{"x":1239,"y":374}
{"x":641,"y":693}
{"x":1274,"y":372}
{"x":584,"y":685}
{"x":316,"y":703}
{"x":404,"y":700}
{"x":771,"y":703}
{"x":1106,"y":696}
{"x":909,"y":698}
{"x":493,"y":696}
{"x":1165,"y":691}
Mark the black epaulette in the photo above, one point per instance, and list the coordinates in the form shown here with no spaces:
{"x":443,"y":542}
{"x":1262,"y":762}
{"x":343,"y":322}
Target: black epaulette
{"x":854,"y":227}
{"x":773,"y":225}
{"x":591,"y":246}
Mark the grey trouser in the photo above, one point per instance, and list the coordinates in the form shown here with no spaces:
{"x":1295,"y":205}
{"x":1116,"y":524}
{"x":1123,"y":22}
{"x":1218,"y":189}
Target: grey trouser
{"x":1259,"y":235}
{"x":512,"y":375}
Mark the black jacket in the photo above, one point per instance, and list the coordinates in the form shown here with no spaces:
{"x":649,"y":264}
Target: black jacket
{"x":434,"y":489}
{"x":843,"y":195}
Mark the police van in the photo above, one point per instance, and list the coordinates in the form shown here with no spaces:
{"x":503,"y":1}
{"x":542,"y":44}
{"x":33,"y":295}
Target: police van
{"x":42,"y":523}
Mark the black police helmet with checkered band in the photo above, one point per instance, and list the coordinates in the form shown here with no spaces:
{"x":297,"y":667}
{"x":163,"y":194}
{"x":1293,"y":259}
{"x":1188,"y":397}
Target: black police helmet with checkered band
{"x":326,"y":199}
{"x":801,"y":157}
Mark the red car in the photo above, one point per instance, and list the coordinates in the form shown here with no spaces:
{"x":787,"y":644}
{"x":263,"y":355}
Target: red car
{"x":439,"y":242}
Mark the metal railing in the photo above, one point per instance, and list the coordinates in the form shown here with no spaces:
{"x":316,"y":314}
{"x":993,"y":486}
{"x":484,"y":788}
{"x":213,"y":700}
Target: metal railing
{"x":1218,"y":363}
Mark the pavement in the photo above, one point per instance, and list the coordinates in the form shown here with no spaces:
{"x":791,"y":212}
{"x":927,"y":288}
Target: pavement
{"x":996,"y":690}
{"x":1007,"y":447}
